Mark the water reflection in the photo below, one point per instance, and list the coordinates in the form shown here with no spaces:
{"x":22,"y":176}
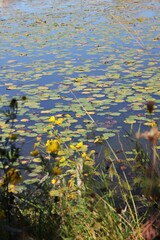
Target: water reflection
{"x":24,"y":5}
{"x":29,"y":5}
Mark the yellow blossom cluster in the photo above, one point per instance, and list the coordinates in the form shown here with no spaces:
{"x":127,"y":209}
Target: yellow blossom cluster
{"x":88,"y":156}
{"x":34,"y":153}
{"x":12,"y":176}
{"x":77,"y":147}
{"x":52,"y":146}
{"x":57,"y":121}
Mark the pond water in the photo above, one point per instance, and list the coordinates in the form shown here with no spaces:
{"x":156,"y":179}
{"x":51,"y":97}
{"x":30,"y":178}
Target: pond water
{"x":96,"y":60}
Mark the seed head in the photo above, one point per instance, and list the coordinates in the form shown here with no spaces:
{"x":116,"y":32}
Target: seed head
{"x":150,"y":106}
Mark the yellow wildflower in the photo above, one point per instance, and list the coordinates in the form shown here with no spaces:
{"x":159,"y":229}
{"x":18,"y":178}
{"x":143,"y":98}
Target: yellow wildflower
{"x":151,"y":123}
{"x":72,"y":147}
{"x":59,"y":121}
{"x":154,"y":124}
{"x":34,"y":153}
{"x":52,"y":146}
{"x":52,"y":119}
{"x":85,"y":156}
{"x":62,"y":159}
{"x":38,"y":139}
{"x":54,"y":181}
{"x":79,"y":145}
{"x":57,"y":171}
{"x":12,"y":176}
{"x":11,"y":188}
{"x":88,"y":156}
{"x":98,"y":139}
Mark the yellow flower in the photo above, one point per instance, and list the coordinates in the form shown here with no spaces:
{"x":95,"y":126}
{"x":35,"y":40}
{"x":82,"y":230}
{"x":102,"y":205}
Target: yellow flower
{"x":52,"y":146}
{"x":38,"y":139}
{"x":151,"y":123}
{"x":88,"y":156}
{"x":57,"y":171}
{"x":11,"y":188}
{"x":62,"y":159}
{"x":12,"y":176}
{"x":34,"y":153}
{"x":59,"y":121}
{"x":79,"y":145}
{"x":15,"y":176}
{"x":72,"y":147}
{"x":85,"y":156}
{"x":98,"y":139}
{"x":54,"y":181}
{"x":52,"y":119}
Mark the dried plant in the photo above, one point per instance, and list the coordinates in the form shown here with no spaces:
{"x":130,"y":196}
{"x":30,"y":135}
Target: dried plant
{"x":152,"y":136}
{"x":150,"y":230}
{"x":150,"y":106}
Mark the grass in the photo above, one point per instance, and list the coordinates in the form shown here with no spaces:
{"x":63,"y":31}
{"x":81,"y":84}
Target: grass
{"x":67,"y":196}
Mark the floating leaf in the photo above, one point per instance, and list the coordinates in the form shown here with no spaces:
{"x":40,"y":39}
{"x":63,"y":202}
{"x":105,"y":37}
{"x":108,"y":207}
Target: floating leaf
{"x":31,"y":181}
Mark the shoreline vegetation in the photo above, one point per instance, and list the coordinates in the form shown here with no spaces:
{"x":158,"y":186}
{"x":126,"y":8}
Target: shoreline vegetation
{"x":62,"y":193}
{"x":79,"y":139}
